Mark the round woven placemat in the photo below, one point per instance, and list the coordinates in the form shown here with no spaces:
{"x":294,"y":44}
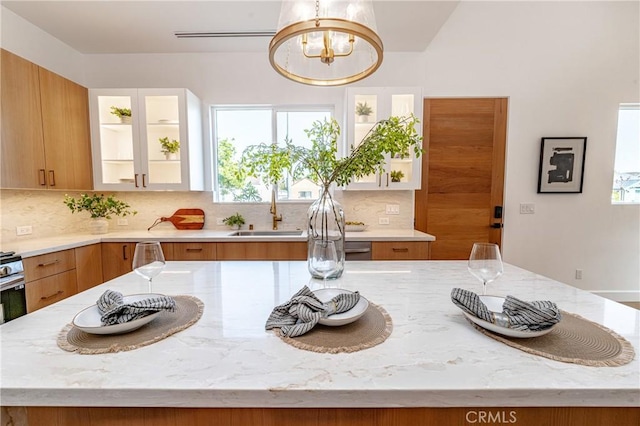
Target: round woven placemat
{"x":576,"y":340}
{"x":188,"y":311}
{"x":369,"y":330}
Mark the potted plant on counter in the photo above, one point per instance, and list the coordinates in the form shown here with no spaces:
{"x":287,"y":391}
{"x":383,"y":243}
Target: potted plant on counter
{"x":170,"y":148}
{"x":321,"y":164}
{"x":123,"y":113}
{"x":235,"y":221}
{"x":100,"y":208}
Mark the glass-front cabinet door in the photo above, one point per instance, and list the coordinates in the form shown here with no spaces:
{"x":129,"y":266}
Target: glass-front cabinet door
{"x":367,"y":106}
{"x":146,"y":139}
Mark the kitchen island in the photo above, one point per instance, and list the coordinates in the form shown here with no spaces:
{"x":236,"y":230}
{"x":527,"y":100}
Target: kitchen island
{"x":434,"y":365}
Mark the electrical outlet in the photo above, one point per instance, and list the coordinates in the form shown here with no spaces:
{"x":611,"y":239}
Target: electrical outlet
{"x":393,"y":209}
{"x":220,"y":221}
{"x":383,"y":220}
{"x":24,"y":230}
{"x":578,"y":274}
{"x":527,"y":208}
{"x":123,"y":222}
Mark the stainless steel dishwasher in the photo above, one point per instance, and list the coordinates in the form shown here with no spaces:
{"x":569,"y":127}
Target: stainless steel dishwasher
{"x":357,"y":250}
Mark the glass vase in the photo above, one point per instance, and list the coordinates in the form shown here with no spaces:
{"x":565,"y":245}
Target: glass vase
{"x":325,"y":222}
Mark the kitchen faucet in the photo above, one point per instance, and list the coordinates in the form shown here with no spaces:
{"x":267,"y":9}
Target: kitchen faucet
{"x":273,"y":209}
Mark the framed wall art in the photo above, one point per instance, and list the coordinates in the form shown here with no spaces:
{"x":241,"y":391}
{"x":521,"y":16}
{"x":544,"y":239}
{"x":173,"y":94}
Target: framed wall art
{"x":561,"y":165}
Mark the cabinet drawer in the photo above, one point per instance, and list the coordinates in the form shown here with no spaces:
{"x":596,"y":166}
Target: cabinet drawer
{"x":400,"y":250}
{"x":48,"y":264}
{"x":45,"y":291}
{"x":194,"y":251}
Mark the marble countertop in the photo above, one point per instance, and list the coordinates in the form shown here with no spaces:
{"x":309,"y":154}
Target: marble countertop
{"x":433,"y":358}
{"x":37,"y":246}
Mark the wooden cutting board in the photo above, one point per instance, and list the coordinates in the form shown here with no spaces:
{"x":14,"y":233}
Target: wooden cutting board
{"x":186,"y":219}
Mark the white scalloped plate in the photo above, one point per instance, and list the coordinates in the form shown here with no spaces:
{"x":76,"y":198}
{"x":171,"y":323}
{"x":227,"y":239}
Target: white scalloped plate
{"x":88,"y":319}
{"x":326,"y":294}
{"x":355,"y":228}
{"x":494,"y":304}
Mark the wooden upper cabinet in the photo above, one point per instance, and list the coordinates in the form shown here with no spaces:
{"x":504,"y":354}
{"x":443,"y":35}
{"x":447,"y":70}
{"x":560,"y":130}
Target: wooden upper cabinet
{"x":67,"y":139}
{"x":22,"y":139}
{"x":45,"y":128}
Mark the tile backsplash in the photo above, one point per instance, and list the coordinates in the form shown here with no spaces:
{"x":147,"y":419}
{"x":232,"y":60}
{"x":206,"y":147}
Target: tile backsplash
{"x":45,"y":212}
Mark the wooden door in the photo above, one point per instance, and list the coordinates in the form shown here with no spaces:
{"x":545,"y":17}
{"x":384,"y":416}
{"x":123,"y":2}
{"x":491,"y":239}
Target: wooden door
{"x":462,"y":174}
{"x":22,"y":141}
{"x":67,"y":140}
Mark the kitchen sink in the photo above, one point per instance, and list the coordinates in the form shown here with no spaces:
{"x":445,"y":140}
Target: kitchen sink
{"x":266,"y":233}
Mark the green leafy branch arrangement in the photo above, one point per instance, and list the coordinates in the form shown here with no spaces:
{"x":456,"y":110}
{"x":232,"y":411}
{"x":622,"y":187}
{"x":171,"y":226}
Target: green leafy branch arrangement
{"x":98,"y":205}
{"x":169,"y":147}
{"x":121,"y":112}
{"x":394,"y":136}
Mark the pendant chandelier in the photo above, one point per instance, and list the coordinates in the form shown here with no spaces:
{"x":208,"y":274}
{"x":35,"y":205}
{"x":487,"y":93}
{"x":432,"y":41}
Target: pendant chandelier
{"x":326,"y":43}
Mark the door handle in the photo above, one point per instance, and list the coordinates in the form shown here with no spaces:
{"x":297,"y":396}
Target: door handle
{"x":144,"y":184}
{"x":41,"y":176}
{"x":135,"y":180}
{"x":497,"y":225}
{"x":52,"y":178}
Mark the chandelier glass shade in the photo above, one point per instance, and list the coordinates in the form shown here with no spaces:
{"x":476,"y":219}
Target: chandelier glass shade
{"x":326,"y":43}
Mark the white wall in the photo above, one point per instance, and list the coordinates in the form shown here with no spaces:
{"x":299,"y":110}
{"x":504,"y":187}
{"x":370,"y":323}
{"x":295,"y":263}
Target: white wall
{"x":565,"y":68}
{"x":24,"y":39}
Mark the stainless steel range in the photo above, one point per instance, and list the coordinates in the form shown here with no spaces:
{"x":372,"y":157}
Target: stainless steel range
{"x":13,"y":302}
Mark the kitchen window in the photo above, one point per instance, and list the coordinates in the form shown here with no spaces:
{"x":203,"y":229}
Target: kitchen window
{"x":237,"y":127}
{"x":626,"y":176}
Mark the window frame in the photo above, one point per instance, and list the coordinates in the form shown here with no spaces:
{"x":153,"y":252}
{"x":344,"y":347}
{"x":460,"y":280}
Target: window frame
{"x":275,"y":109}
{"x":634,"y":106}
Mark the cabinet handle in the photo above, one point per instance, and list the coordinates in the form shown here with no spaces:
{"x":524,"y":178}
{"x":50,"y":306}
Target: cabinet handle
{"x":380,"y":180}
{"x":49,"y":263}
{"x":41,"y":177}
{"x":144,"y":184}
{"x":52,"y":296}
{"x":387,"y":179}
{"x":52,"y":178}
{"x":135,"y":180}
{"x":400,"y":250}
{"x":194,"y":249}
{"x":124,"y":252}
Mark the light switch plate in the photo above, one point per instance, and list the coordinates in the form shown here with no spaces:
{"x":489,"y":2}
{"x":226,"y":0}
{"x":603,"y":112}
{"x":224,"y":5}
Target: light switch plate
{"x":393,"y":209}
{"x":24,"y":230}
{"x":383,"y":221}
{"x":527,"y":208}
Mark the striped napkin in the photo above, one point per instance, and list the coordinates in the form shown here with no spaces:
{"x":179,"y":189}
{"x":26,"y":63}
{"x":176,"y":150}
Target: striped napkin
{"x":300,"y":314}
{"x":516,"y":314}
{"x":113,"y":310}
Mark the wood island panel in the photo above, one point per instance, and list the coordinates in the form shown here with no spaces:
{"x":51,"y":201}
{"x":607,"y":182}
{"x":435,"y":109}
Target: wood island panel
{"x":462,"y":416}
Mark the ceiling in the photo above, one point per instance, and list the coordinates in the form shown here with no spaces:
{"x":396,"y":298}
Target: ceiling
{"x":97,"y":27}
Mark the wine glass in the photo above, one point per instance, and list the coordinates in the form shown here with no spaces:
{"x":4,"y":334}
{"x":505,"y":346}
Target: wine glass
{"x":148,"y":260}
{"x":485,"y":263}
{"x":324,"y":258}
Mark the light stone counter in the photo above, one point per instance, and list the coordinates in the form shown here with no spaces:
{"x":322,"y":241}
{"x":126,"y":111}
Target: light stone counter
{"x":34,"y":247}
{"x":433,"y":358}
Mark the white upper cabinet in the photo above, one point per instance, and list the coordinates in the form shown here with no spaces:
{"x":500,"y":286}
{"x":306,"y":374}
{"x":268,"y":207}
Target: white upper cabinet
{"x":128,"y":153}
{"x":365,"y":107}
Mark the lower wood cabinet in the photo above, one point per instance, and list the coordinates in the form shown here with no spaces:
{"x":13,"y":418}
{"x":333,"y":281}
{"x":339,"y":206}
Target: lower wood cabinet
{"x":45,"y":291}
{"x":285,"y":250}
{"x":117,"y":258}
{"x":49,"y":278}
{"x":88,"y":266}
{"x":400,"y":250}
